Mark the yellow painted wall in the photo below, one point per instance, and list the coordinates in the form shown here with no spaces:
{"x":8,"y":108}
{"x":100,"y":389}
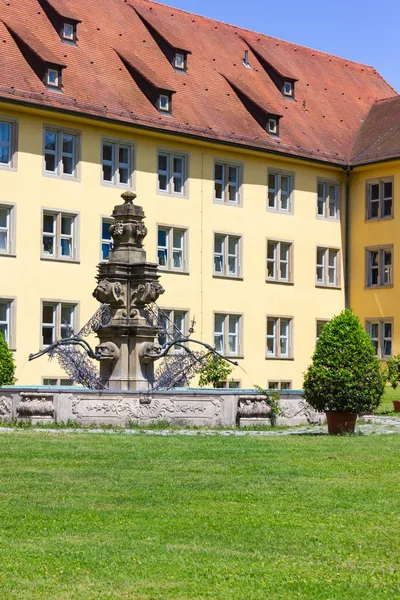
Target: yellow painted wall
{"x":30,"y":279}
{"x":374,"y":302}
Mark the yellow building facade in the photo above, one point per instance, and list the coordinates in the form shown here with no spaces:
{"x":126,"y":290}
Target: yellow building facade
{"x":31,"y":278}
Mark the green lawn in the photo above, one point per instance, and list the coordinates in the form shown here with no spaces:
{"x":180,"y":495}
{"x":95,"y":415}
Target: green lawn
{"x":387,"y":401}
{"x":95,"y":516}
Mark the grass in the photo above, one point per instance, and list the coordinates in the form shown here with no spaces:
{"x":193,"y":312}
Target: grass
{"x":113,"y":516}
{"x":386,"y":406}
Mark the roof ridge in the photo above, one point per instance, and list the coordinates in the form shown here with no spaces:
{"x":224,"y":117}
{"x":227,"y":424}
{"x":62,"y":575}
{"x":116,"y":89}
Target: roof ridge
{"x":232,"y":25}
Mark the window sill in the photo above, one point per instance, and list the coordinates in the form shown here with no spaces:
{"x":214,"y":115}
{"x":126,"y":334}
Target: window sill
{"x":9,"y":254}
{"x":73,"y":261}
{"x":279,"y":358}
{"x":59,"y":176}
{"x":233,"y":356}
{"x":331,"y":219}
{"x":230,"y":277}
{"x":172,"y":195}
{"x":328,"y":287}
{"x":122,"y":186}
{"x":173,"y":271}
{"x":279,"y":282}
{"x":5,"y":167}
{"x":280,"y":212}
{"x":233,"y":204}
{"x":375,"y":219}
{"x":379,"y":287}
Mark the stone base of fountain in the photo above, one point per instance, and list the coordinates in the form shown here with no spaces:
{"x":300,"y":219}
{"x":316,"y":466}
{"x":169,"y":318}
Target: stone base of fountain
{"x":201,"y":407}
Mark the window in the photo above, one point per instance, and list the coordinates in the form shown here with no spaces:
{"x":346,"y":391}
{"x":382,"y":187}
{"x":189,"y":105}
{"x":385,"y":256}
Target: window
{"x":69,"y":32}
{"x":227,"y":334}
{"x":379,"y":266}
{"x":8,"y":144}
{"x":171,"y":249}
{"x":106,"y":239}
{"x":279,"y":333}
{"x":117,"y":163}
{"x":164,"y":103}
{"x":288,"y":88}
{"x":227,"y":182}
{"x":56,"y":381}
{"x":280,"y":191}
{"x":279,"y":261}
{"x":328,"y":200}
{"x":59,"y":235}
{"x":172,"y":173}
{"x":7,"y":321}
{"x":7,"y":229}
{"x":227,"y":250}
{"x":272,"y":126}
{"x":173,"y":326}
{"x":380,"y":198}
{"x":53,"y":78}
{"x":58,"y":321}
{"x":381,"y":333}
{"x":320,"y":325}
{"x":60,"y":153}
{"x":279,"y":385}
{"x":231,"y":384}
{"x":180,"y":61}
{"x":327,"y":267}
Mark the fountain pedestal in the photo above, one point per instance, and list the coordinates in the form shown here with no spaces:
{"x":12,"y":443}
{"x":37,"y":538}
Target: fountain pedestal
{"x":127,"y":283}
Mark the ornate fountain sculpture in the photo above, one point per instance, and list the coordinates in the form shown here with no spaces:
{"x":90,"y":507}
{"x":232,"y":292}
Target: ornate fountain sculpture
{"x":128,"y":321}
{"x":128,"y":283}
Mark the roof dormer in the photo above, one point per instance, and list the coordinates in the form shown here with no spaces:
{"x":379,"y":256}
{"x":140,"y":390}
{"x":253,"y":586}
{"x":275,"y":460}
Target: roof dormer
{"x":264,"y":113}
{"x":279,"y":73}
{"x":157,"y":91}
{"x":63,"y":19}
{"x":173,"y":49}
{"x":47,"y":66}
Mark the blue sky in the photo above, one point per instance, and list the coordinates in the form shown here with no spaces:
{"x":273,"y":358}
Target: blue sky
{"x":367,"y":31}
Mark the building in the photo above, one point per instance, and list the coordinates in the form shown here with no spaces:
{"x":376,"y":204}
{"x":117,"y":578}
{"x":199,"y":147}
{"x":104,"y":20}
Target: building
{"x":267,"y":171}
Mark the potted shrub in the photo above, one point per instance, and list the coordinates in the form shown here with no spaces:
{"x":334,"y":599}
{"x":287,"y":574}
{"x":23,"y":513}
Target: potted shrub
{"x":345,"y":377}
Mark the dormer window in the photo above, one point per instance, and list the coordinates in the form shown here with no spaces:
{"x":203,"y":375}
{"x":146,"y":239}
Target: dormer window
{"x":288,"y":88}
{"x":53,"y":78}
{"x":68,"y":32}
{"x":180,"y":61}
{"x":164,"y":103}
{"x":246,"y":60}
{"x":272,"y":126}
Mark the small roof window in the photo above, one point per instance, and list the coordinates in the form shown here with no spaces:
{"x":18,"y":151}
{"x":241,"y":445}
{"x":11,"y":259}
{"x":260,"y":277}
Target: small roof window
{"x":164,"y":103}
{"x":68,"y":32}
{"x":180,"y":61}
{"x":273,"y":126}
{"x":53,"y":78}
{"x":288,"y":88}
{"x":246,"y":60}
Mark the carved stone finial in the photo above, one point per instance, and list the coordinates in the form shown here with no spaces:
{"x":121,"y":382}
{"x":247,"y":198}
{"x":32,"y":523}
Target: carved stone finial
{"x":128,"y":197}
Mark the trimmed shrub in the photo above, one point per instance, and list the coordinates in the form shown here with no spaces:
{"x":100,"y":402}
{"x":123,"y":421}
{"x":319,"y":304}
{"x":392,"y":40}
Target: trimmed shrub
{"x":345,"y":374}
{"x":215,"y":372}
{"x":7,"y":366}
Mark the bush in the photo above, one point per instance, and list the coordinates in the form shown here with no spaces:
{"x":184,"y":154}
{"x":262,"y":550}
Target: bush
{"x":345,"y":374}
{"x":7,"y":366}
{"x":215,"y":371}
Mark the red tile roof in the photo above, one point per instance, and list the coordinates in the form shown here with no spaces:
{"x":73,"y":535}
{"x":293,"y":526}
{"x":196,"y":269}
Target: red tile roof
{"x":332,"y":96}
{"x":37,"y":47}
{"x":146,"y":14}
{"x":144,"y":70}
{"x":63,"y":9}
{"x":269,"y":57}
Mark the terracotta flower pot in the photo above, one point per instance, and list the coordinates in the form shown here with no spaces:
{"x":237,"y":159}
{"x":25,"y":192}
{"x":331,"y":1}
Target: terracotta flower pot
{"x":340,"y":422}
{"x":396,"y":405}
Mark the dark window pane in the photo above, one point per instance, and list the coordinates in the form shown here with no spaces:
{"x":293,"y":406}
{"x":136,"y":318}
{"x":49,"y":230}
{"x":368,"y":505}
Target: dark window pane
{"x":107,"y":173}
{"x":108,"y":152}
{"x":68,"y":165}
{"x":51,"y":140}
{"x":105,"y":231}
{"x":50,"y":161}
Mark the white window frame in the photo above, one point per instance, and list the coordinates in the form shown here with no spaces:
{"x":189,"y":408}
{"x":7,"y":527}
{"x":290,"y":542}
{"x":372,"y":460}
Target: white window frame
{"x":58,"y":153}
{"x":326,"y":267}
{"x":225,"y":333}
{"x":58,"y":236}
{"x":277,"y":336}
{"x":168,"y":103}
{"x":318,"y":324}
{"x":10,"y":322}
{"x":276,"y":384}
{"x":288,"y":88}
{"x":57,"y":82}
{"x":116,"y":165}
{"x":226,"y":184}
{"x":169,"y":173}
{"x":181,"y":67}
{"x":57,"y":326}
{"x":10,"y":229}
{"x":226,"y":255}
{"x":277,"y":260}
{"x":380,"y":201}
{"x":277,"y":193}
{"x":171,"y":314}
{"x":64,"y":36}
{"x":324,"y":201}
{"x":384,"y":272}
{"x":380,"y":323}
{"x":273,"y":126}
{"x":58,"y":381}
{"x":12,"y":145}
{"x":170,"y":248}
